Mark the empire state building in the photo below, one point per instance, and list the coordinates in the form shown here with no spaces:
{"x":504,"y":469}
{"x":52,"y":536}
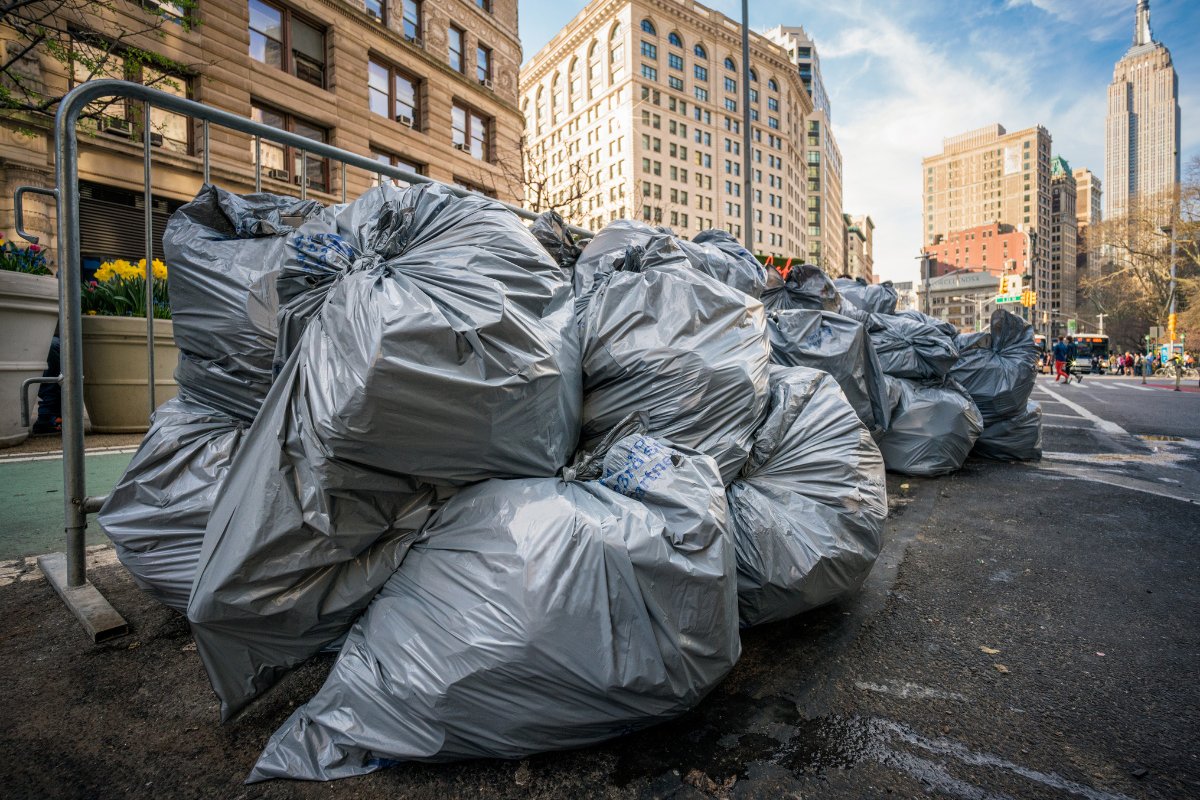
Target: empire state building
{"x":1141,"y":157}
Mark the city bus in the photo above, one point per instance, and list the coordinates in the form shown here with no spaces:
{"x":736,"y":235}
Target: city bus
{"x":1088,"y":345}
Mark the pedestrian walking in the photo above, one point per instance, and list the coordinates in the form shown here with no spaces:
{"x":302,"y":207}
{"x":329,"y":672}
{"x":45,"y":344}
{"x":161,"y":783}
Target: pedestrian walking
{"x":1072,"y":355}
{"x":1060,"y":360}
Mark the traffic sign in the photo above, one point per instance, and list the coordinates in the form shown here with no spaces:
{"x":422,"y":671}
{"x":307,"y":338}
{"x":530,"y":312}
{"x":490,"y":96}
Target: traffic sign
{"x":1007,"y":298}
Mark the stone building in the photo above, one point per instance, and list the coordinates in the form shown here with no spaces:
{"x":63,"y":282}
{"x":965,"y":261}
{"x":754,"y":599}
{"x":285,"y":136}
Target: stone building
{"x":997,"y":249}
{"x":859,"y":247}
{"x":1064,"y":245}
{"x":635,"y":110}
{"x":427,"y":85}
{"x":989,"y":176}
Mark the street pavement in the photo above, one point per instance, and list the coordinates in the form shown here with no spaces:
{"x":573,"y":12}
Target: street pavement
{"x":1031,"y":630}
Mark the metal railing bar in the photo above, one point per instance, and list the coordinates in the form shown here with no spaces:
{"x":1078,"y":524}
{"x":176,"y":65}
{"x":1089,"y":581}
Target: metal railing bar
{"x":19,"y":209}
{"x":148,"y":195}
{"x":303,"y":175}
{"x":207,"y":160}
{"x":257,"y":164}
{"x":343,"y":181}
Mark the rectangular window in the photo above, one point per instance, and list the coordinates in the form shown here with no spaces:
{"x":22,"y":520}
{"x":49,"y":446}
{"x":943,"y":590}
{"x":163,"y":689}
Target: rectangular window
{"x":730,"y":105}
{"x":649,"y":73}
{"x":754,"y":95}
{"x":701,"y":73}
{"x":483,"y":64}
{"x":730,"y":85}
{"x":456,"y":48}
{"x":701,"y":95}
{"x":772,"y":103}
{"x":486,"y":5}
{"x":773,"y":122}
{"x":675,"y":83}
{"x":649,"y":50}
{"x":281,"y":39}
{"x":283,"y":163}
{"x":412,"y":20}
{"x":384,"y":157}
{"x":393,"y":93}
{"x":377,"y":9}
{"x":470,"y":132}
{"x":675,"y":61}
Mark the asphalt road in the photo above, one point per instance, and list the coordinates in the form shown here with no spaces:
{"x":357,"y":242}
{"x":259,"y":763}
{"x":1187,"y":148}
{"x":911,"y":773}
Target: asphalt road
{"x":1032,"y":630}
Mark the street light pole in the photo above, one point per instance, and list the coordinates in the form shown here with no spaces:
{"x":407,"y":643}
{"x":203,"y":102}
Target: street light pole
{"x":1171,"y":306}
{"x":748,"y":218}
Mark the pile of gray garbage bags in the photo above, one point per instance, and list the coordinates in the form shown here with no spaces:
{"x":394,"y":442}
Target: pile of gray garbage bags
{"x":934,"y":426}
{"x":998,"y":367}
{"x":470,"y":455}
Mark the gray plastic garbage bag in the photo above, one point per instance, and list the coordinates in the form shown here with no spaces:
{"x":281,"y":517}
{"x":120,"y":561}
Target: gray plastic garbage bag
{"x":876,"y":298}
{"x":908,"y":348}
{"x":225,"y":252}
{"x":998,"y":367}
{"x":942,"y":325}
{"x":840,"y":346}
{"x":663,"y":338}
{"x":431,"y":341}
{"x":447,"y":346}
{"x":809,"y":506}
{"x":808,"y":287}
{"x":551,"y":232}
{"x":719,"y":255}
{"x":933,"y":428}
{"x":609,"y":243}
{"x":1017,"y":438}
{"x":156,"y":514}
{"x":533,"y":615}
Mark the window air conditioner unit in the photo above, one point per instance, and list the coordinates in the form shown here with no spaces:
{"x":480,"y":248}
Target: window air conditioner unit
{"x":115,"y":125}
{"x":156,"y":140}
{"x":485,"y":83}
{"x":460,"y":146}
{"x":279,"y":175}
{"x":404,"y":120}
{"x":414,"y":40}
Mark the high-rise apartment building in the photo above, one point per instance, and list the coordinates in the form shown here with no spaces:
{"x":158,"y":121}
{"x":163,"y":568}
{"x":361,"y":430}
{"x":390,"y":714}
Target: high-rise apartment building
{"x":430,"y":86}
{"x":859,"y":247}
{"x":987,"y":177}
{"x":635,"y":110}
{"x":1063,"y":249}
{"x":1088,"y":194}
{"x":822,"y":156}
{"x":1141,"y":156}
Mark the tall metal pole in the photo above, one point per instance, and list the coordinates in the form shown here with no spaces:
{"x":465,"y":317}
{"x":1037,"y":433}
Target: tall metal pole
{"x":747,"y":210}
{"x":148,"y":199}
{"x":1171,"y":306}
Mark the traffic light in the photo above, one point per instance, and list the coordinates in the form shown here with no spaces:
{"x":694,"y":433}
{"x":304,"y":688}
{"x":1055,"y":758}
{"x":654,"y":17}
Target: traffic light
{"x":1003,"y":284}
{"x":1028,"y":298}
{"x":1171,"y":326}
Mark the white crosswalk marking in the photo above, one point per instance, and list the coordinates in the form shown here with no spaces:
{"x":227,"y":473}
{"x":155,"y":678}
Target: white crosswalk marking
{"x":1137,"y":388}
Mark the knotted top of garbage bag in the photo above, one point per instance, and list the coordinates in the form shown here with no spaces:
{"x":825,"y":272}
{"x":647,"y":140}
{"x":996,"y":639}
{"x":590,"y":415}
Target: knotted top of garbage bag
{"x":718,"y":254}
{"x":551,"y":232}
{"x":876,"y":298}
{"x":805,"y":286}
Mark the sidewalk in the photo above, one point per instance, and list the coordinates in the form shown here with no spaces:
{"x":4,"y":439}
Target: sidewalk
{"x":31,"y":489}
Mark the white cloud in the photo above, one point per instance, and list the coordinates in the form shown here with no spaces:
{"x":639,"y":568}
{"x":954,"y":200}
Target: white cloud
{"x":1098,"y":20}
{"x":921,"y":91}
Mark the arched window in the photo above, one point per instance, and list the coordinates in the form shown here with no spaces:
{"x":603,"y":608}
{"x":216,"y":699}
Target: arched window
{"x":753,"y":76}
{"x":555,"y":98}
{"x":729,"y":65}
{"x":593,"y":69}
{"x":616,"y":54}
{"x":574,"y":83}
{"x":772,"y":85}
{"x":539,"y":110}
{"x":674,"y":40}
{"x":700,"y":51}
{"x":648,"y":27}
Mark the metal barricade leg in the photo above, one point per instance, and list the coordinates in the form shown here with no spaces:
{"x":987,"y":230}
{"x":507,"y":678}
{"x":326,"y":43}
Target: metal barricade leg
{"x":67,"y":572}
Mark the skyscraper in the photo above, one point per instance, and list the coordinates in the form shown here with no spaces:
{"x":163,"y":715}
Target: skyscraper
{"x":1141,"y":157}
{"x":1087,"y":215}
{"x":1063,"y":246}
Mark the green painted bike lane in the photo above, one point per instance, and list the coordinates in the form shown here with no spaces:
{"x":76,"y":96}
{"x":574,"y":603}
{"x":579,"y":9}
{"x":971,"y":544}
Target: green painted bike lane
{"x":31,"y":501}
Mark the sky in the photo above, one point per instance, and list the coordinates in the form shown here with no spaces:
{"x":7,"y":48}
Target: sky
{"x":904,"y":74}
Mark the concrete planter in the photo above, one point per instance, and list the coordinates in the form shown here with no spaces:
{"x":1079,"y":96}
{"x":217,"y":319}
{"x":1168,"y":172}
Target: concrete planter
{"x":28,"y":313}
{"x":114,"y":371}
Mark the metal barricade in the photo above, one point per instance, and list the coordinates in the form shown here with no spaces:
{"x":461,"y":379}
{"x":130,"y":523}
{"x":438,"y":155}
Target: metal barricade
{"x":67,"y":572}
